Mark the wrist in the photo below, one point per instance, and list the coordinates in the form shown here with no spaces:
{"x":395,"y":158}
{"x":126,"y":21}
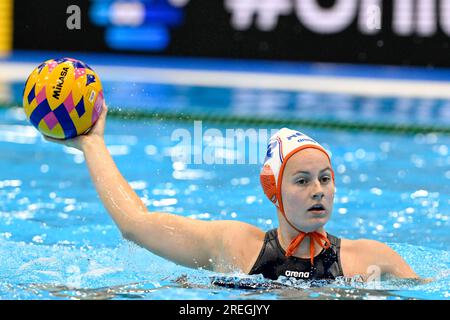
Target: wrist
{"x":88,"y":141}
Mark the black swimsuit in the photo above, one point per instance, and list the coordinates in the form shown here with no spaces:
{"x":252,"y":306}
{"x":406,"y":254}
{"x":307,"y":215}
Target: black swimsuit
{"x":272,"y":262}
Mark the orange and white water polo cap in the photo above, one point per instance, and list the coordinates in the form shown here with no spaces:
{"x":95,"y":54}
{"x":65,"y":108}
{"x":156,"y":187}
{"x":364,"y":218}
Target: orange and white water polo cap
{"x":283,"y":145}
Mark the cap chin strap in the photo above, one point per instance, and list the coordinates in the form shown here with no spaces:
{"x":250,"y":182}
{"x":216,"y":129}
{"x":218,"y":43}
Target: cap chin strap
{"x":314,"y":236}
{"x":273,"y":191}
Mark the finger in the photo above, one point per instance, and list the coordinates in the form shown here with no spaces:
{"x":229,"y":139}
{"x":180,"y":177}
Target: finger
{"x":104,"y":111}
{"x":102,"y":117}
{"x":99,"y":126}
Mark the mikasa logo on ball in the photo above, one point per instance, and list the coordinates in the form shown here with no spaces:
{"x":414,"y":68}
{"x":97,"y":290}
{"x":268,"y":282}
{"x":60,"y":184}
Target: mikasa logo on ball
{"x":59,"y":83}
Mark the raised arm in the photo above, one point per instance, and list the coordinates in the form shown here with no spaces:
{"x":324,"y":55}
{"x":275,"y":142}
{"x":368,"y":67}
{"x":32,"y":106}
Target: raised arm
{"x":185,"y":241}
{"x":189,"y":242}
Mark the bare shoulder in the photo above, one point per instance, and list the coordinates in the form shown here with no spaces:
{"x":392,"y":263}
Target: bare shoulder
{"x":240,"y":245}
{"x":364,"y":246}
{"x":350,"y":257}
{"x":363,"y":256}
{"x":240,"y":235}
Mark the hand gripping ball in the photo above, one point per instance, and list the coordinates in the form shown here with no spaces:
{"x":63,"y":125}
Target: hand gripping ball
{"x":63,"y":98}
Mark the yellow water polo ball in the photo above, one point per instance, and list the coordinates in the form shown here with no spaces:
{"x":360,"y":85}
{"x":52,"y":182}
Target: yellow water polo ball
{"x":63,"y":98}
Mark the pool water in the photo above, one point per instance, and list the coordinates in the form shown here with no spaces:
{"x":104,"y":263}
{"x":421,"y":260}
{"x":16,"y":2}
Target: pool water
{"x":58,"y":242}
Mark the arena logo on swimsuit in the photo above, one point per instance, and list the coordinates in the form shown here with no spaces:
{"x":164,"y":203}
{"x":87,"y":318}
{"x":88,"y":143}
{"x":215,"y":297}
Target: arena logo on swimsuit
{"x":297,"y":274}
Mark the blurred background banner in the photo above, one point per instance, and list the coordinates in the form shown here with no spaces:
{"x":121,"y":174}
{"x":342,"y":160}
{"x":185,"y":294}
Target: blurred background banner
{"x":395,"y":32}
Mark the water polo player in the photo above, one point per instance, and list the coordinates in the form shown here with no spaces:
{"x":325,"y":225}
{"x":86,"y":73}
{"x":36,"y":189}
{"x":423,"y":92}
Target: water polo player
{"x":297,"y":177}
